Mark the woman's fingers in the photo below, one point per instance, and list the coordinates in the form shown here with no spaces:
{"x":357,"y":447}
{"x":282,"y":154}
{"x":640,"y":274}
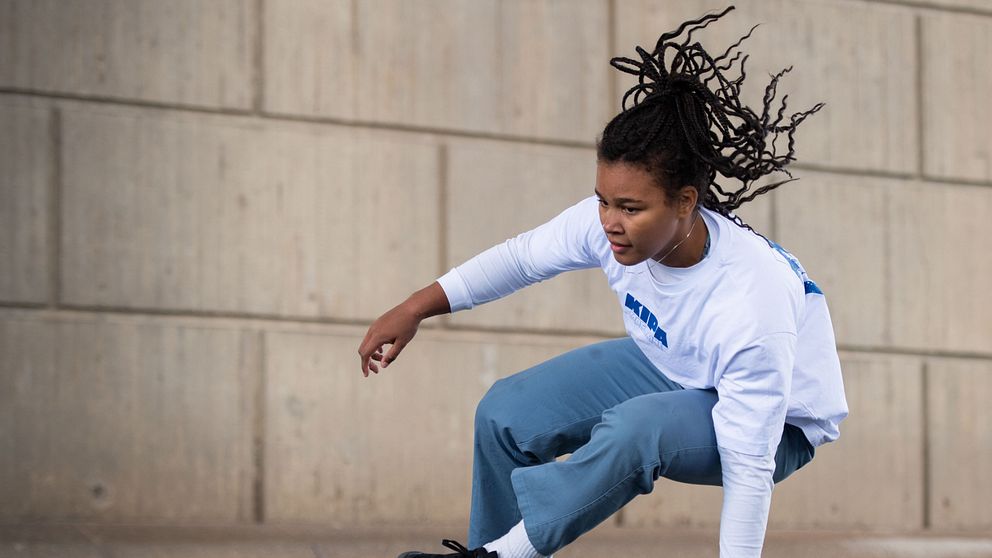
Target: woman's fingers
{"x":371,"y":348}
{"x":394,"y":351}
{"x":394,"y":328}
{"x":361,"y":354}
{"x":365,"y":354}
{"x":367,"y":365}
{"x":377,"y":356}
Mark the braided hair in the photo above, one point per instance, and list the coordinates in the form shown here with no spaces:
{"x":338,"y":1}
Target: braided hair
{"x":669,"y":129}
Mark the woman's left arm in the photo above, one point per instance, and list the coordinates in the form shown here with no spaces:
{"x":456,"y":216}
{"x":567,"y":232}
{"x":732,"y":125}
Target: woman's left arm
{"x":748,"y":419}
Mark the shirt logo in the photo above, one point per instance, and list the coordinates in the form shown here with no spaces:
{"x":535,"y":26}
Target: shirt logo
{"x":808,"y":285}
{"x":647,"y":317}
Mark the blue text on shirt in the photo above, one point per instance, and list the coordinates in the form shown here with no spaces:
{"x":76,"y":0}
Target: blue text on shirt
{"x":647,"y":317}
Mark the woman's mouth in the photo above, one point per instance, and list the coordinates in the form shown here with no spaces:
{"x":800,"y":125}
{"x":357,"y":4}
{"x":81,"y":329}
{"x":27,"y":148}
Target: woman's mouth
{"x":618,"y":248}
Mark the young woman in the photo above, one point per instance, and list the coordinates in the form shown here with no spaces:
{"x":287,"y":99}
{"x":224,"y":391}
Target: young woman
{"x":729,"y":374}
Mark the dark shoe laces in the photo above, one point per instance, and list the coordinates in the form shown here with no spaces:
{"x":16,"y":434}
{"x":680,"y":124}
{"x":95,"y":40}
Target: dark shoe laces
{"x":462,"y":551}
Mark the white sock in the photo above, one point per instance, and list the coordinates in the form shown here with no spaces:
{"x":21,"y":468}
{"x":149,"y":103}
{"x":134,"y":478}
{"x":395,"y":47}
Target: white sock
{"x":514,"y":544}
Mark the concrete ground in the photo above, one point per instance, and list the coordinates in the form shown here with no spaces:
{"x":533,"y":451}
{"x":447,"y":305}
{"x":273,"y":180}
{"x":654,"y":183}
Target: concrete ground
{"x":119,"y":541}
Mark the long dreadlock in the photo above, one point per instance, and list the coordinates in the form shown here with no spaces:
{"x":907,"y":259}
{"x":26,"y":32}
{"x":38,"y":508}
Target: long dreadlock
{"x":669,"y":129}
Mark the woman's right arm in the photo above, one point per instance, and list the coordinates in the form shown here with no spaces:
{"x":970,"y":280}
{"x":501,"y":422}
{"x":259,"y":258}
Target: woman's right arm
{"x":561,"y":244}
{"x":570,"y":240}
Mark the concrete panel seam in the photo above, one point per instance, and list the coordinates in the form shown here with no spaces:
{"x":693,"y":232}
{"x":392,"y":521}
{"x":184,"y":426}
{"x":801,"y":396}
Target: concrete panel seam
{"x":849,"y":171}
{"x":893,"y":351}
{"x":68,"y":310}
{"x":887,"y":269}
{"x":259,"y":432}
{"x":25,"y":305}
{"x":957,"y":181}
{"x":258,"y":58}
{"x":920,"y":106}
{"x":451,"y":132}
{"x":551,"y":332}
{"x":928,"y":6}
{"x":831,"y":169}
{"x":356,"y":46}
{"x":286,"y":117}
{"x":611,"y":18}
{"x":925,"y":429}
{"x":55,"y":209}
{"x":93,"y":539}
{"x":773,"y":215}
{"x":141,"y":311}
{"x":123,"y":101}
{"x":498,"y":35}
{"x":442,"y":191}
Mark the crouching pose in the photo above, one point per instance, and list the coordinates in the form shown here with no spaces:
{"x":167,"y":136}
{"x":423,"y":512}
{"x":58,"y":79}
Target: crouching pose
{"x":729,"y":373}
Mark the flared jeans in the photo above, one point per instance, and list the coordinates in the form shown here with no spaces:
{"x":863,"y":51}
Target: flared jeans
{"x":624,"y":423}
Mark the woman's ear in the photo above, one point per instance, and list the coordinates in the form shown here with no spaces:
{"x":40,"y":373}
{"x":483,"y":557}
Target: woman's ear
{"x":688,"y":196}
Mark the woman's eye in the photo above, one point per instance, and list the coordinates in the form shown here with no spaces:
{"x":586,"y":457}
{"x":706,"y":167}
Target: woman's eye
{"x":627,"y":210}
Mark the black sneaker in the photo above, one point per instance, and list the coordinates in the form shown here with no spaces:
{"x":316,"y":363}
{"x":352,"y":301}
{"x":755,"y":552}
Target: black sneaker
{"x":462,"y":552}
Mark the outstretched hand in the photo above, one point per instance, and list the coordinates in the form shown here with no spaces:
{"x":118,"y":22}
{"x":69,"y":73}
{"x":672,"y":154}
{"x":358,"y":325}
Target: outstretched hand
{"x":399,"y":325}
{"x":396,"y":327}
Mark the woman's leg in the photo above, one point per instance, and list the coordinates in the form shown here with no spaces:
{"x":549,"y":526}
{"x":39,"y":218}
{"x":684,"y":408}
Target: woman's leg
{"x":668,"y":434}
{"x":543,"y":412}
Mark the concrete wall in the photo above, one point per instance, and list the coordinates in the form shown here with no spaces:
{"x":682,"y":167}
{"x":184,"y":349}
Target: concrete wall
{"x":204,"y":204}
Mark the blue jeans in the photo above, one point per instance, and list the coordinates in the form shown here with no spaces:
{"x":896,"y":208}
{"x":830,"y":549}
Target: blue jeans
{"x":625,"y":424}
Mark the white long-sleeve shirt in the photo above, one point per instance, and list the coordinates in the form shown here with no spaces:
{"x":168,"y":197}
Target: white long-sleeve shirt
{"x":746,"y":320}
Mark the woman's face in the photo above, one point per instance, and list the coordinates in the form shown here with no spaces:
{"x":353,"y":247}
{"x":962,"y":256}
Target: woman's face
{"x":636,"y":215}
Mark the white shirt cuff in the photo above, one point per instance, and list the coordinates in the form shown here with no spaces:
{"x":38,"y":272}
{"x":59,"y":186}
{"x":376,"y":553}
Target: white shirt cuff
{"x":455,"y":289}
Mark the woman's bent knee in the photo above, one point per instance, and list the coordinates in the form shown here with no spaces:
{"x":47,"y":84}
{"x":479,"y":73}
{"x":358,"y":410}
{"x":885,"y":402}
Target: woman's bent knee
{"x":492,"y":408}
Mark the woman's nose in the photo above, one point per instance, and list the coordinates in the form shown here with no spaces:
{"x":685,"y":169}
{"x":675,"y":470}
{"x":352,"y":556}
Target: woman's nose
{"x":610,"y":224}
